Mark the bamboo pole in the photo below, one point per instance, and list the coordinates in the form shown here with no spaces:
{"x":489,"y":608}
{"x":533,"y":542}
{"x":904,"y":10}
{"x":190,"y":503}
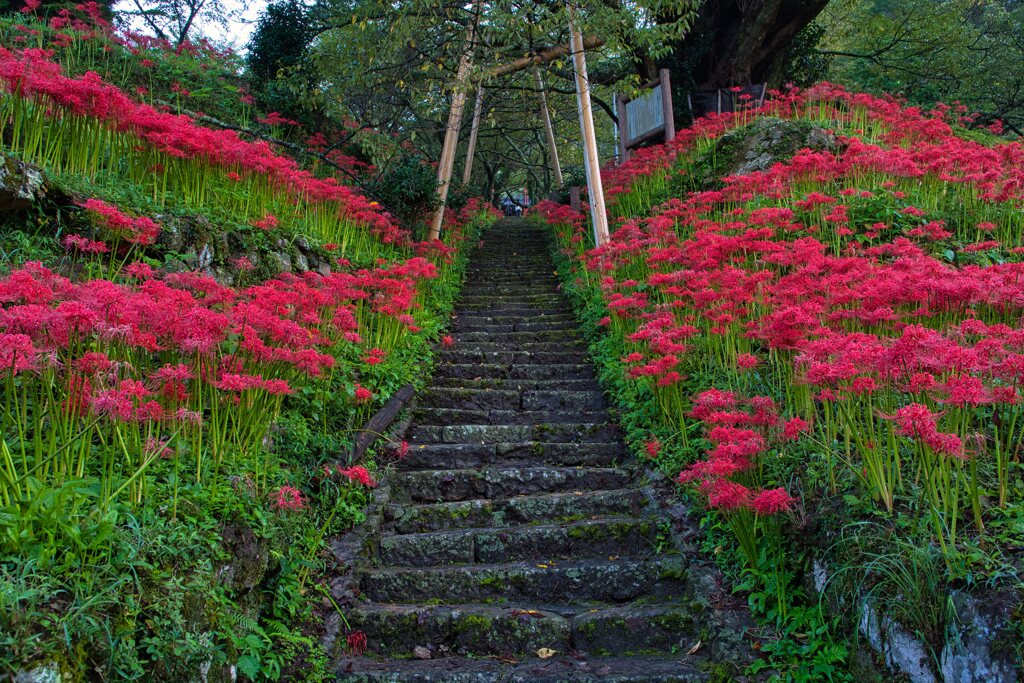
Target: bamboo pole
{"x":467,"y":172}
{"x":598,"y":212}
{"x":451,"y":135}
{"x":556,"y":167}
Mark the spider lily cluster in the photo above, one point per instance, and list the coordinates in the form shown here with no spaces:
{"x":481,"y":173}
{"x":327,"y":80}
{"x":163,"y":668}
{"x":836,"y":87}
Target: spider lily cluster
{"x":86,"y":126}
{"x":869,"y":291}
{"x":117,"y":375}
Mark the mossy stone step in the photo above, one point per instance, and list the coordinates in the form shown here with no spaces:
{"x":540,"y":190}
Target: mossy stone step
{"x":501,"y":318}
{"x":395,"y":630}
{"x":511,"y":399}
{"x":458,"y":417}
{"x":512,"y":291}
{"x":532,"y":371}
{"x":462,"y":355}
{"x":480,"y":630}
{"x":501,"y":482}
{"x":471,"y":398}
{"x":474,"y":455}
{"x":486,"y":296}
{"x":561,"y":668}
{"x":500,"y":383}
{"x":574,"y":582}
{"x":556,"y":432}
{"x":524,"y":325}
{"x":481,"y":347}
{"x":605,"y":537}
{"x":538,"y":509}
{"x":535,"y":337}
{"x":512,"y":308}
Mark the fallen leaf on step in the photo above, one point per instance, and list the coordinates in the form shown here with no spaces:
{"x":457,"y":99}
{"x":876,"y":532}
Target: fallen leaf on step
{"x":545,"y":653}
{"x":542,"y":566}
{"x":694,"y":649}
{"x":528,"y":612}
{"x":420,"y":652}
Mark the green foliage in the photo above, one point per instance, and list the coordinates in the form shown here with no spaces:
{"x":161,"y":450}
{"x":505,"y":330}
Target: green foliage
{"x":926,"y":51}
{"x":276,"y":54}
{"x":408,"y":187}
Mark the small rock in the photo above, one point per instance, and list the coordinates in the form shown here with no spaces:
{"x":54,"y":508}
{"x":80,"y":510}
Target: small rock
{"x":20,"y":184}
{"x":43,"y":674}
{"x":420,"y":652}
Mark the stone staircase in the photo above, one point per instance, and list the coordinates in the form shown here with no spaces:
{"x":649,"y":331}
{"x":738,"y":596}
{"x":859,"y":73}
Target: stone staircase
{"x":517,"y":541}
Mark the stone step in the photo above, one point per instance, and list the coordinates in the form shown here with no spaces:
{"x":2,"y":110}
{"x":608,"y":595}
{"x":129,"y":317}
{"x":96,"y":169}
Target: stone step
{"x":480,"y":630}
{"x":459,"y":355}
{"x":512,"y":278}
{"x":513,"y":372}
{"x":501,"y":482}
{"x":486,"y":297}
{"x":503,"y":318}
{"x":558,"y":337}
{"x":459,"y":325}
{"x":511,"y":399}
{"x":590,"y":385}
{"x":462,"y":456}
{"x":525,"y":285}
{"x":606,"y":537}
{"x":479,"y":349}
{"x":513,"y":308}
{"x":395,"y":630}
{"x":554,"y":432}
{"x":550,"y":508}
{"x":557,"y":669}
{"x":457,"y":417}
{"x":573,"y":582}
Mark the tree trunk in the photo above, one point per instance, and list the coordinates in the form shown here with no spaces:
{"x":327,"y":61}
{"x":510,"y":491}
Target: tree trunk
{"x":739,"y":42}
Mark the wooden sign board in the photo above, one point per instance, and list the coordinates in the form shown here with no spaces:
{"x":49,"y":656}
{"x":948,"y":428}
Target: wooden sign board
{"x":704,"y":102}
{"x":646,"y":117}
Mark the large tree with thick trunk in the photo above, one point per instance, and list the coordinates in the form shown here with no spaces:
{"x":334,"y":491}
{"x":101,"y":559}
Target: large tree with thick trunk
{"x":737,"y":42}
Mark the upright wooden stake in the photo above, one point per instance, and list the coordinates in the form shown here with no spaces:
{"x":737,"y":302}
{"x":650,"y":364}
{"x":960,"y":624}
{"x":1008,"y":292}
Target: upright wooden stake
{"x":467,"y":172}
{"x":546,"y":115}
{"x":598,"y":213}
{"x":451,"y":135}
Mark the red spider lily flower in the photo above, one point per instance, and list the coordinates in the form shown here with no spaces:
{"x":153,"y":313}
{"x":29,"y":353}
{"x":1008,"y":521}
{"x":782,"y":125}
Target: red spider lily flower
{"x":268,"y":222}
{"x":794,"y":427}
{"x":746,"y":361}
{"x":244,"y":264}
{"x":356,"y":642}
{"x":771,"y":502}
{"x":447,"y":340}
{"x":84,"y":245}
{"x":375,"y":356}
{"x":652,"y":448}
{"x":363,"y":395}
{"x":359,"y":475}
{"x":288,"y":498}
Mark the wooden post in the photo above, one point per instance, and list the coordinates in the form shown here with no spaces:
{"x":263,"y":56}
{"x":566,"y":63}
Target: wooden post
{"x":620,"y":108}
{"x":666,"y":104}
{"x":598,"y":212}
{"x":467,"y":172}
{"x":556,"y":167}
{"x":451,"y":135}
